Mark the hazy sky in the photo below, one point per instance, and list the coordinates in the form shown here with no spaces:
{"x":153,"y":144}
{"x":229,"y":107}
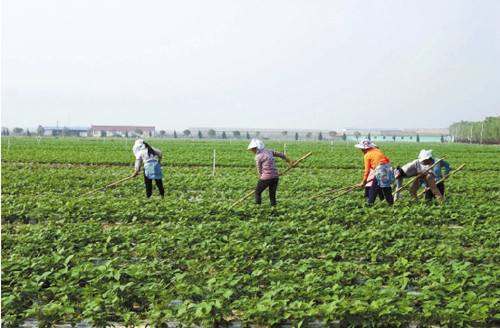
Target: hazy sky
{"x":267,"y":64}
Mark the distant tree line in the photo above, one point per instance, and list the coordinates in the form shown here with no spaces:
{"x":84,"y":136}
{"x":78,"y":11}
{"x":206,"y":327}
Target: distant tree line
{"x":487,"y":131}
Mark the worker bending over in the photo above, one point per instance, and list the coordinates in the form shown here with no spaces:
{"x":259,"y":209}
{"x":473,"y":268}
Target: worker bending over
{"x":421,"y":166}
{"x":374,"y":159}
{"x":266,"y":170}
{"x":151,"y":158}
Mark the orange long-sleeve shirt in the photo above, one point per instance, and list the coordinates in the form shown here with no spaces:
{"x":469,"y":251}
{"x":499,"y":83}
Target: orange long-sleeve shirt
{"x":373,"y":158}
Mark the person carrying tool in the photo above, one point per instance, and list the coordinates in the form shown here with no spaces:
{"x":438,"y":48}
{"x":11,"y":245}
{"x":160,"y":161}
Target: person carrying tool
{"x":374,"y":159}
{"x":428,"y":160}
{"x":421,"y":166}
{"x":266,"y":170}
{"x":150,"y":157}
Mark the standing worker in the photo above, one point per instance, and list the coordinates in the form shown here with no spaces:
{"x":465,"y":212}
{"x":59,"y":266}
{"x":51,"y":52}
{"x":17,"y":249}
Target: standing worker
{"x":374,"y":159}
{"x":150,"y":157}
{"x":429,"y":177}
{"x":266,"y":170}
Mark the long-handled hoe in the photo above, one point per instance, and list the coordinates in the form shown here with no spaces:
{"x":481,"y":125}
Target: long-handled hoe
{"x":292,"y":166}
{"x":109,"y":185}
{"x":443,"y":179}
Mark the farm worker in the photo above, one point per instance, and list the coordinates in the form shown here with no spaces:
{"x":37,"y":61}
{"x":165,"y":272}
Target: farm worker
{"x":427,"y":159}
{"x":374,"y":159}
{"x":266,"y":170}
{"x":150,"y":157}
{"x":416,"y":167}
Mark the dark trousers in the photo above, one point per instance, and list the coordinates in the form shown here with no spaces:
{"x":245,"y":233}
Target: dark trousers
{"x":430,"y":196}
{"x":380,"y":194}
{"x":149,"y":186}
{"x":375,"y":190}
{"x":262,"y":185}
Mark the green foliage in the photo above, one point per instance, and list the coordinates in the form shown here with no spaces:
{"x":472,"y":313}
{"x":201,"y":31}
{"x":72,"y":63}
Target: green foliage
{"x":487,"y":131}
{"x":118,"y":257}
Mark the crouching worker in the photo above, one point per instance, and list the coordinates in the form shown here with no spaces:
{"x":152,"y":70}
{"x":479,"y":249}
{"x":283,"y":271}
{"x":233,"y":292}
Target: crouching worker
{"x":150,"y":157}
{"x":420,"y":166}
{"x":266,"y":170}
{"x":427,"y":159}
{"x":374,"y":159}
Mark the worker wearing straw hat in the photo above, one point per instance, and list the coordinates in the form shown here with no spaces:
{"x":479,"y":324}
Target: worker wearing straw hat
{"x":374,"y":159}
{"x":266,"y":170}
{"x":150,"y":157}
{"x":429,"y":176}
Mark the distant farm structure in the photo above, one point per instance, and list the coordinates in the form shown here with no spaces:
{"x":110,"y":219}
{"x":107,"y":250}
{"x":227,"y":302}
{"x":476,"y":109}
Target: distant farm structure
{"x":121,"y":131}
{"x":232,"y":133}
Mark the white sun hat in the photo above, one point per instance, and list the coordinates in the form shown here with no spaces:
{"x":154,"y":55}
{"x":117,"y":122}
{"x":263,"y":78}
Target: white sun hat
{"x":365,"y":144}
{"x":138,"y":145}
{"x":255,"y":143}
{"x":424,"y":154}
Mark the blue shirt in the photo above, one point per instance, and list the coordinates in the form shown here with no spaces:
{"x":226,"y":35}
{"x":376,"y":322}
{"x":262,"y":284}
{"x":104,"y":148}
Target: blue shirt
{"x":438,"y":169}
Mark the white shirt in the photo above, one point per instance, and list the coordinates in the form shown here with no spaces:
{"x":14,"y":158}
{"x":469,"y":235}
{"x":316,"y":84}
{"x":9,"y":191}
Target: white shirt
{"x":142,"y":155}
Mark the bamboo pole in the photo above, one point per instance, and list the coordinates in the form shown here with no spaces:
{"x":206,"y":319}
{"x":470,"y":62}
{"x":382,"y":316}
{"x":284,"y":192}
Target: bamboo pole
{"x":345,"y":192}
{"x":330,"y":191}
{"x":418,"y":176}
{"x":295,"y":163}
{"x":250,"y":193}
{"x":109,"y":185}
{"x":443,"y":179}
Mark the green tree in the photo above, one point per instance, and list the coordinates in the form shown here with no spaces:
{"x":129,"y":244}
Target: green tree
{"x":442,"y":139}
{"x":237,"y":134}
{"x":320,"y":136}
{"x":248,"y":135}
{"x":309,"y":135}
{"x":175,"y":134}
{"x":344,"y":136}
{"x":186,"y":133}
{"x":332,"y":134}
{"x":357,"y":134}
{"x":296,"y":136}
{"x":211,"y":133}
{"x":200,"y":136}
{"x":418,"y":137}
{"x":163,"y":133}
{"x":369,"y":137}
{"x":487,"y":131}
{"x":224,"y":136}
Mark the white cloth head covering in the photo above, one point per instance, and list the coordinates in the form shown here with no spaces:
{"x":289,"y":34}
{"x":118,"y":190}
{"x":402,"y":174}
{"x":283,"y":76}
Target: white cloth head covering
{"x":138,"y":146}
{"x":424,"y":154}
{"x":365,"y":144}
{"x":255,"y":143}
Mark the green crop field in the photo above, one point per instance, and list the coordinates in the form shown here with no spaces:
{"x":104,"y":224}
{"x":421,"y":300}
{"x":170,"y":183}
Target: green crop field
{"x":115,"y":256}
